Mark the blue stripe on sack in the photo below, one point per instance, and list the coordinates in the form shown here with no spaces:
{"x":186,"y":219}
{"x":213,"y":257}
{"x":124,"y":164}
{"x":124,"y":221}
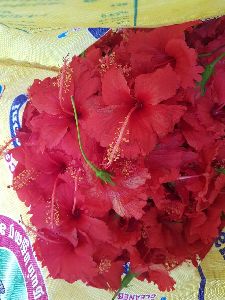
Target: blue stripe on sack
{"x":63,"y":34}
{"x":126,"y":268}
{"x":1,"y":89}
{"x":201,"y":291}
{"x":14,"y":118}
{"x":98,"y":32}
{"x":135,"y":12}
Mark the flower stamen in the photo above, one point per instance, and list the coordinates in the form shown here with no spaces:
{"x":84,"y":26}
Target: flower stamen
{"x":53,"y":203}
{"x":104,"y":266}
{"x":191,"y":176}
{"x":64,"y":77}
{"x":75,"y":191}
{"x":37,"y":233}
{"x":114,"y":151}
{"x":24,"y":178}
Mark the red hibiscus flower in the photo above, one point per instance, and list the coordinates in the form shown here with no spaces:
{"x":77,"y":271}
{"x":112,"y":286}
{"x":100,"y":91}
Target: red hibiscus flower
{"x":63,"y":258}
{"x":132,"y":170}
{"x":127,"y":197}
{"x":131,"y":120}
{"x":195,"y":134}
{"x":205,"y":225}
{"x":148,"y":53}
{"x":125,"y":232}
{"x":76,"y":79}
{"x":109,"y":265}
{"x":211,"y":108}
{"x":152,"y":272}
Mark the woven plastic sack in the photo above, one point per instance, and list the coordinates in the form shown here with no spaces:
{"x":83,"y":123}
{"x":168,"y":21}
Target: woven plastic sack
{"x":35,"y":36}
{"x":42,"y":15}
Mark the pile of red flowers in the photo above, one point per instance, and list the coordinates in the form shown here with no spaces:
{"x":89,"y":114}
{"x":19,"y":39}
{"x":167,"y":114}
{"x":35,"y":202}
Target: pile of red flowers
{"x":122,"y":155}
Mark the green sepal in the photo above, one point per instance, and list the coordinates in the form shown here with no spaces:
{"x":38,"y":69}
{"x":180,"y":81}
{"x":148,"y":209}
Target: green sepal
{"x":208,"y":72}
{"x":105,"y":176}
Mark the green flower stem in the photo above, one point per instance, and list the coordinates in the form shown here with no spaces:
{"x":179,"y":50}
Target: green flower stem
{"x":208,"y":72}
{"x":124,"y":283}
{"x":220,"y":170}
{"x":205,"y":54}
{"x":105,"y":176}
{"x":79,"y":138}
{"x":218,"y":59}
{"x":212,"y":52}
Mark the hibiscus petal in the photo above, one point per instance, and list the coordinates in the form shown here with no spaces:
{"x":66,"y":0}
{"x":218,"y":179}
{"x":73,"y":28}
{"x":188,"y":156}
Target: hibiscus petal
{"x":114,"y":88}
{"x":142,"y":63}
{"x":96,"y":229}
{"x":186,"y":62}
{"x":50,"y":129}
{"x":219,"y":85}
{"x":160,"y":275}
{"x":156,"y":87}
{"x":97,"y":201}
{"x":164,"y":117}
{"x":83,"y":84}
{"x":64,"y":261}
{"x":109,"y":268}
{"x":44,"y":96}
{"x":204,"y":112}
{"x":130,"y":204}
{"x":142,"y":139}
{"x":104,"y":123}
{"x":156,"y":38}
{"x":196,"y":138}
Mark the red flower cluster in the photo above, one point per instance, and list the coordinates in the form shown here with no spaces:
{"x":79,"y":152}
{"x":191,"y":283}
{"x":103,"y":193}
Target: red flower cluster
{"x":137,"y":176}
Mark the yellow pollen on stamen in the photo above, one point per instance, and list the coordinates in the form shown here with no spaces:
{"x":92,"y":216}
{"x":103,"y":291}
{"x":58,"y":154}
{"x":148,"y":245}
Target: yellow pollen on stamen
{"x":64,"y":79}
{"x":56,"y":213}
{"x":72,"y":171}
{"x":75,"y":190}
{"x":24,"y":178}
{"x":107,"y":61}
{"x":113,"y":152}
{"x":104,"y":266}
{"x":53,"y":204}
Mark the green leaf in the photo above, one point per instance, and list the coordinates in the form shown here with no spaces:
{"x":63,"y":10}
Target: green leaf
{"x":208,"y":72}
{"x":205,"y":54}
{"x":205,"y":78}
{"x":105,"y":176}
{"x":220,"y":170}
{"x":125,"y":282}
